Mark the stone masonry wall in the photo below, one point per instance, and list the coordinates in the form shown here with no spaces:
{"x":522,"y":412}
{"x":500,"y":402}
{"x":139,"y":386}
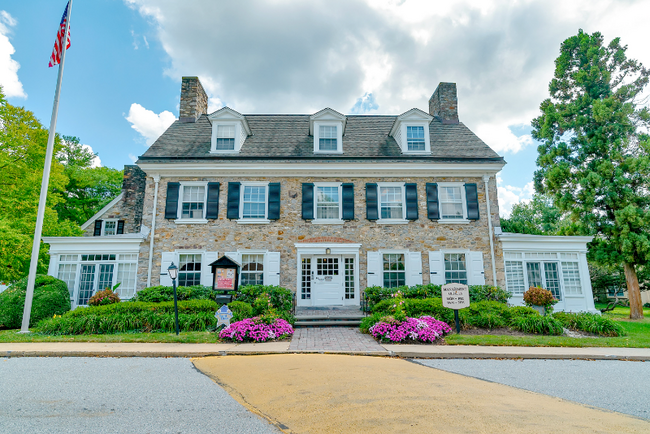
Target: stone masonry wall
{"x":225,"y":235}
{"x":443,"y":104}
{"x":129,"y":208}
{"x":194,"y":100}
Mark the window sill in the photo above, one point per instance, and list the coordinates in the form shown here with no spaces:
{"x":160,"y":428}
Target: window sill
{"x":327,"y":222}
{"x":224,"y":151}
{"x":253,"y":221}
{"x":392,"y":222}
{"x":191,"y":221}
{"x":416,"y":152}
{"x":327,"y":152}
{"x":454,"y":222}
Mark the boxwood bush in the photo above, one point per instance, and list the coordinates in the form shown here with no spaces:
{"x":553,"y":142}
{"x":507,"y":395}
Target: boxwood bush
{"x":240,"y":311}
{"x":51,"y":297}
{"x":376,"y":294}
{"x":281,"y":298}
{"x":159,"y":294}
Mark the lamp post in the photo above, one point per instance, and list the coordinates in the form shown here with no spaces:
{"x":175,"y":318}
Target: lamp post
{"x":173,"y":273}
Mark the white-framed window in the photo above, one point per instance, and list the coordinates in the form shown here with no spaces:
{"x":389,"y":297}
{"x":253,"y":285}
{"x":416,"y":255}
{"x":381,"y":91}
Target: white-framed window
{"x":394,"y":270}
{"x":252,"y":269}
{"x":546,"y":270}
{"x":415,"y":141}
{"x":253,"y":204}
{"x":328,"y":137}
{"x":225,"y":140}
{"x":455,"y":268}
{"x":68,"y":273}
{"x":189,"y":269}
{"x":451,"y":197}
{"x":327,"y":203}
{"x":515,"y":277}
{"x":391,"y":202}
{"x":110,"y":227}
{"x":571,"y":278}
{"x":191,"y":202}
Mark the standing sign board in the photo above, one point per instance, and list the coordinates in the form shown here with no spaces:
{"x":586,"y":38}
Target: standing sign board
{"x":225,"y":278}
{"x":455,"y":296}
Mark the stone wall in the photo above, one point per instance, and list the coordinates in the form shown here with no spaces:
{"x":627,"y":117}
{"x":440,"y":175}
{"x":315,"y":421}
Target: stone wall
{"x":443,"y":104}
{"x":194,"y":100}
{"x":129,"y":208}
{"x":223,"y":235}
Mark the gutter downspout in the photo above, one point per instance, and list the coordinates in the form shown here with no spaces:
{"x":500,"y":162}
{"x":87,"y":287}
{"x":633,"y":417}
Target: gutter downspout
{"x":156,"y":179}
{"x":486,"y":179}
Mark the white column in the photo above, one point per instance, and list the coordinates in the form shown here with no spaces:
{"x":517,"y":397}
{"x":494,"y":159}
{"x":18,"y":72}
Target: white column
{"x":486,"y":180}
{"x":156,"y":180}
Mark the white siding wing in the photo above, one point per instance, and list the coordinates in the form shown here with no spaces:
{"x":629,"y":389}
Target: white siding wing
{"x":206,"y":270}
{"x":272,"y":268}
{"x":436,"y":268}
{"x":166,"y":261}
{"x":414,"y":268}
{"x":375,"y":277}
{"x":476,"y":268}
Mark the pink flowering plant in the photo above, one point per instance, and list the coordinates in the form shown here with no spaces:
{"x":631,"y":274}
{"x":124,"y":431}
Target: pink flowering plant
{"x":257,"y":329}
{"x":422,"y":329}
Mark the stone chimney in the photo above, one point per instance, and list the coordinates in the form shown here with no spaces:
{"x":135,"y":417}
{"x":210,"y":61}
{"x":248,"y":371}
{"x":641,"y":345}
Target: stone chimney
{"x":443,"y":104}
{"x":194,"y":100}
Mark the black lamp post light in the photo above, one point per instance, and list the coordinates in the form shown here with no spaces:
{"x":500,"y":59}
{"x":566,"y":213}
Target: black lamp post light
{"x":173,"y":274}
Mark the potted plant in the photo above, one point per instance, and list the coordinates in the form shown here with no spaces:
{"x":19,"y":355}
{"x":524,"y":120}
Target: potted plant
{"x":540,"y":299}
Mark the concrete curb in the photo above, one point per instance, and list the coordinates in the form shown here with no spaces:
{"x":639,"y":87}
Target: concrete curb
{"x":91,"y":349}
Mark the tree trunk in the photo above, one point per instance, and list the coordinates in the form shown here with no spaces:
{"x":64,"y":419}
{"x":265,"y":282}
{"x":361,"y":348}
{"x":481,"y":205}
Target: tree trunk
{"x":633,"y":292}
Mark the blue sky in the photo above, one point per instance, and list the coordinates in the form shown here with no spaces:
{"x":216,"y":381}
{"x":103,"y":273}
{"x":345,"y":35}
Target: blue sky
{"x":122,"y":74}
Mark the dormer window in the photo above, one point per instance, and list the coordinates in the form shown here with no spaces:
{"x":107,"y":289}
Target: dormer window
{"x":225,"y":138}
{"x":327,"y":127}
{"x":411,"y":132}
{"x":229,"y":131}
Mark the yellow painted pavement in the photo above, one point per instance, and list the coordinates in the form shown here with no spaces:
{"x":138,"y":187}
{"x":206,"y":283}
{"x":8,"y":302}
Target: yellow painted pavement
{"x":313,"y":393}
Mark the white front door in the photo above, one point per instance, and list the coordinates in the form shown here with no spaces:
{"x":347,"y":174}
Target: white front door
{"x":327,"y":281}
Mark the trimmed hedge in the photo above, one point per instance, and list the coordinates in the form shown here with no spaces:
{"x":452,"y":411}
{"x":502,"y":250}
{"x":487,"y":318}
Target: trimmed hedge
{"x":590,"y":323}
{"x":51,"y":297}
{"x":281,"y":298}
{"x":477,"y":293}
{"x":159,"y":294}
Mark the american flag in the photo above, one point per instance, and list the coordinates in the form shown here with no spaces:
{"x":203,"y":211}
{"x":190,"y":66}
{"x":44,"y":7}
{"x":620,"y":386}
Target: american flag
{"x":55,"y":59}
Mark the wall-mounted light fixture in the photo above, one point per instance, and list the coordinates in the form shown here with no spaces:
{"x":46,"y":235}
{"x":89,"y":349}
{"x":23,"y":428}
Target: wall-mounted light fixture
{"x":328,"y":251}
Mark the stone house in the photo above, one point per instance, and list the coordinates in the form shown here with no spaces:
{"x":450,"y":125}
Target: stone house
{"x":325,"y":204}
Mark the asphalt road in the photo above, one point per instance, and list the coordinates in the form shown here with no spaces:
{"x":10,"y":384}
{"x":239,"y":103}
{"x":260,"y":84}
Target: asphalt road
{"x":613,"y":385}
{"x":100,"y":395}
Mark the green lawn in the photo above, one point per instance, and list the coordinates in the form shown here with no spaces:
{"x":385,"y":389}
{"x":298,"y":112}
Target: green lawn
{"x":184,"y":337}
{"x":638,"y":336}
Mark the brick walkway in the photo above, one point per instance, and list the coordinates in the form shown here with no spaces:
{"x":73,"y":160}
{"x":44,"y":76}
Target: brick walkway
{"x":332,"y":339}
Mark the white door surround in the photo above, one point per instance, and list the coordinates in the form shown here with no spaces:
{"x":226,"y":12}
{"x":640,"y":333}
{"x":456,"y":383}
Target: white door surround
{"x":327,"y":274}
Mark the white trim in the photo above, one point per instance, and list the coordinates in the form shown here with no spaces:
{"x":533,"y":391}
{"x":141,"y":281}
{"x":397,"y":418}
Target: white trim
{"x":179,"y":208}
{"x":339,"y":137}
{"x":463,"y":199}
{"x":103,"y":228}
{"x":339,"y":221}
{"x":191,"y":221}
{"x":228,"y":116}
{"x":214,"y":168}
{"x":251,"y":221}
{"x":156,"y":179}
{"x":412,"y":118}
{"x":326,"y":114}
{"x":401,"y":221}
{"x":127,"y":243}
{"x":99,"y":213}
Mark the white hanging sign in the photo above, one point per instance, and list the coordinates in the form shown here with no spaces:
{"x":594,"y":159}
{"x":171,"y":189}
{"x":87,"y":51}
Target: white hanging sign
{"x":455,"y":296}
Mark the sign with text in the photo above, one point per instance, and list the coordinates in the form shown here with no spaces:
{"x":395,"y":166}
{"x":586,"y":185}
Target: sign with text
{"x":225,"y":278}
{"x":455,"y":295}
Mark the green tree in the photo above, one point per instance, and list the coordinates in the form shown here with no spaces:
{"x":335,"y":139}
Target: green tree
{"x":88,"y":188}
{"x":594,"y":159}
{"x":23,"y":141}
{"x":537,"y":217}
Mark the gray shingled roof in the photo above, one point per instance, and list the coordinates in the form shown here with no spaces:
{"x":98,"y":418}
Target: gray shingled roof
{"x":286,"y":137}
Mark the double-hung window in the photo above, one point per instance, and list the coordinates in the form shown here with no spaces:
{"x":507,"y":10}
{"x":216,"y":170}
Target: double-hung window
{"x":253,"y":202}
{"x":328,"y":202}
{"x":189,"y":270}
{"x":252,"y":269}
{"x":327,"y":138}
{"x":225,"y":138}
{"x":455,"y":268}
{"x":193,"y":200}
{"x":394,"y":270}
{"x":451,"y":202}
{"x":415,"y":138}
{"x":391,"y":202}
{"x":110,"y":227}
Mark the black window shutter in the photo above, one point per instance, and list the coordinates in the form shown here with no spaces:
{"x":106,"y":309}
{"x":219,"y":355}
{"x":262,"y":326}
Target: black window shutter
{"x":471,"y":195}
{"x":274,"y":201}
{"x":120,"y":227}
{"x":98,"y":228}
{"x":372,"y":212}
{"x":212,"y":207}
{"x":411,"y":201}
{"x":348,"y":201}
{"x":433,"y":208}
{"x":233,"y":200}
{"x":171,"y":207}
{"x":307,"y":201}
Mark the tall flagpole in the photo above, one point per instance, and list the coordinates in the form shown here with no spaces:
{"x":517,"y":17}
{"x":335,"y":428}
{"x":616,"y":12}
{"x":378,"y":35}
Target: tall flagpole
{"x":36,"y":247}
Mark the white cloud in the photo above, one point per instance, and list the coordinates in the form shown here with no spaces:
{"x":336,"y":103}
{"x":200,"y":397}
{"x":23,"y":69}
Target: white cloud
{"x":11,"y":85}
{"x":133,"y":158}
{"x":510,"y":195}
{"x":149,"y":124}
{"x":97,"y":162}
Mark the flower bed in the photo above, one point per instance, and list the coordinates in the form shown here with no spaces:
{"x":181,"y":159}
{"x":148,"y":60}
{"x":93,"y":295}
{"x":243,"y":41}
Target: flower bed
{"x":423,"y":329}
{"x":257,"y":330}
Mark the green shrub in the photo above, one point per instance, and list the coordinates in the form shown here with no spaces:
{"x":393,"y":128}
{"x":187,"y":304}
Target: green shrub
{"x":51,"y":297}
{"x":488,"y":293}
{"x":590,"y":323}
{"x":102,"y":298}
{"x":541,"y":325}
{"x":193,"y":315}
{"x":486,"y":320}
{"x":521,"y":311}
{"x":377,"y":294}
{"x":240,"y":311}
{"x":159,"y":294}
{"x":281,"y":298}
{"x":370,"y":321}
{"x":415,"y":308}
